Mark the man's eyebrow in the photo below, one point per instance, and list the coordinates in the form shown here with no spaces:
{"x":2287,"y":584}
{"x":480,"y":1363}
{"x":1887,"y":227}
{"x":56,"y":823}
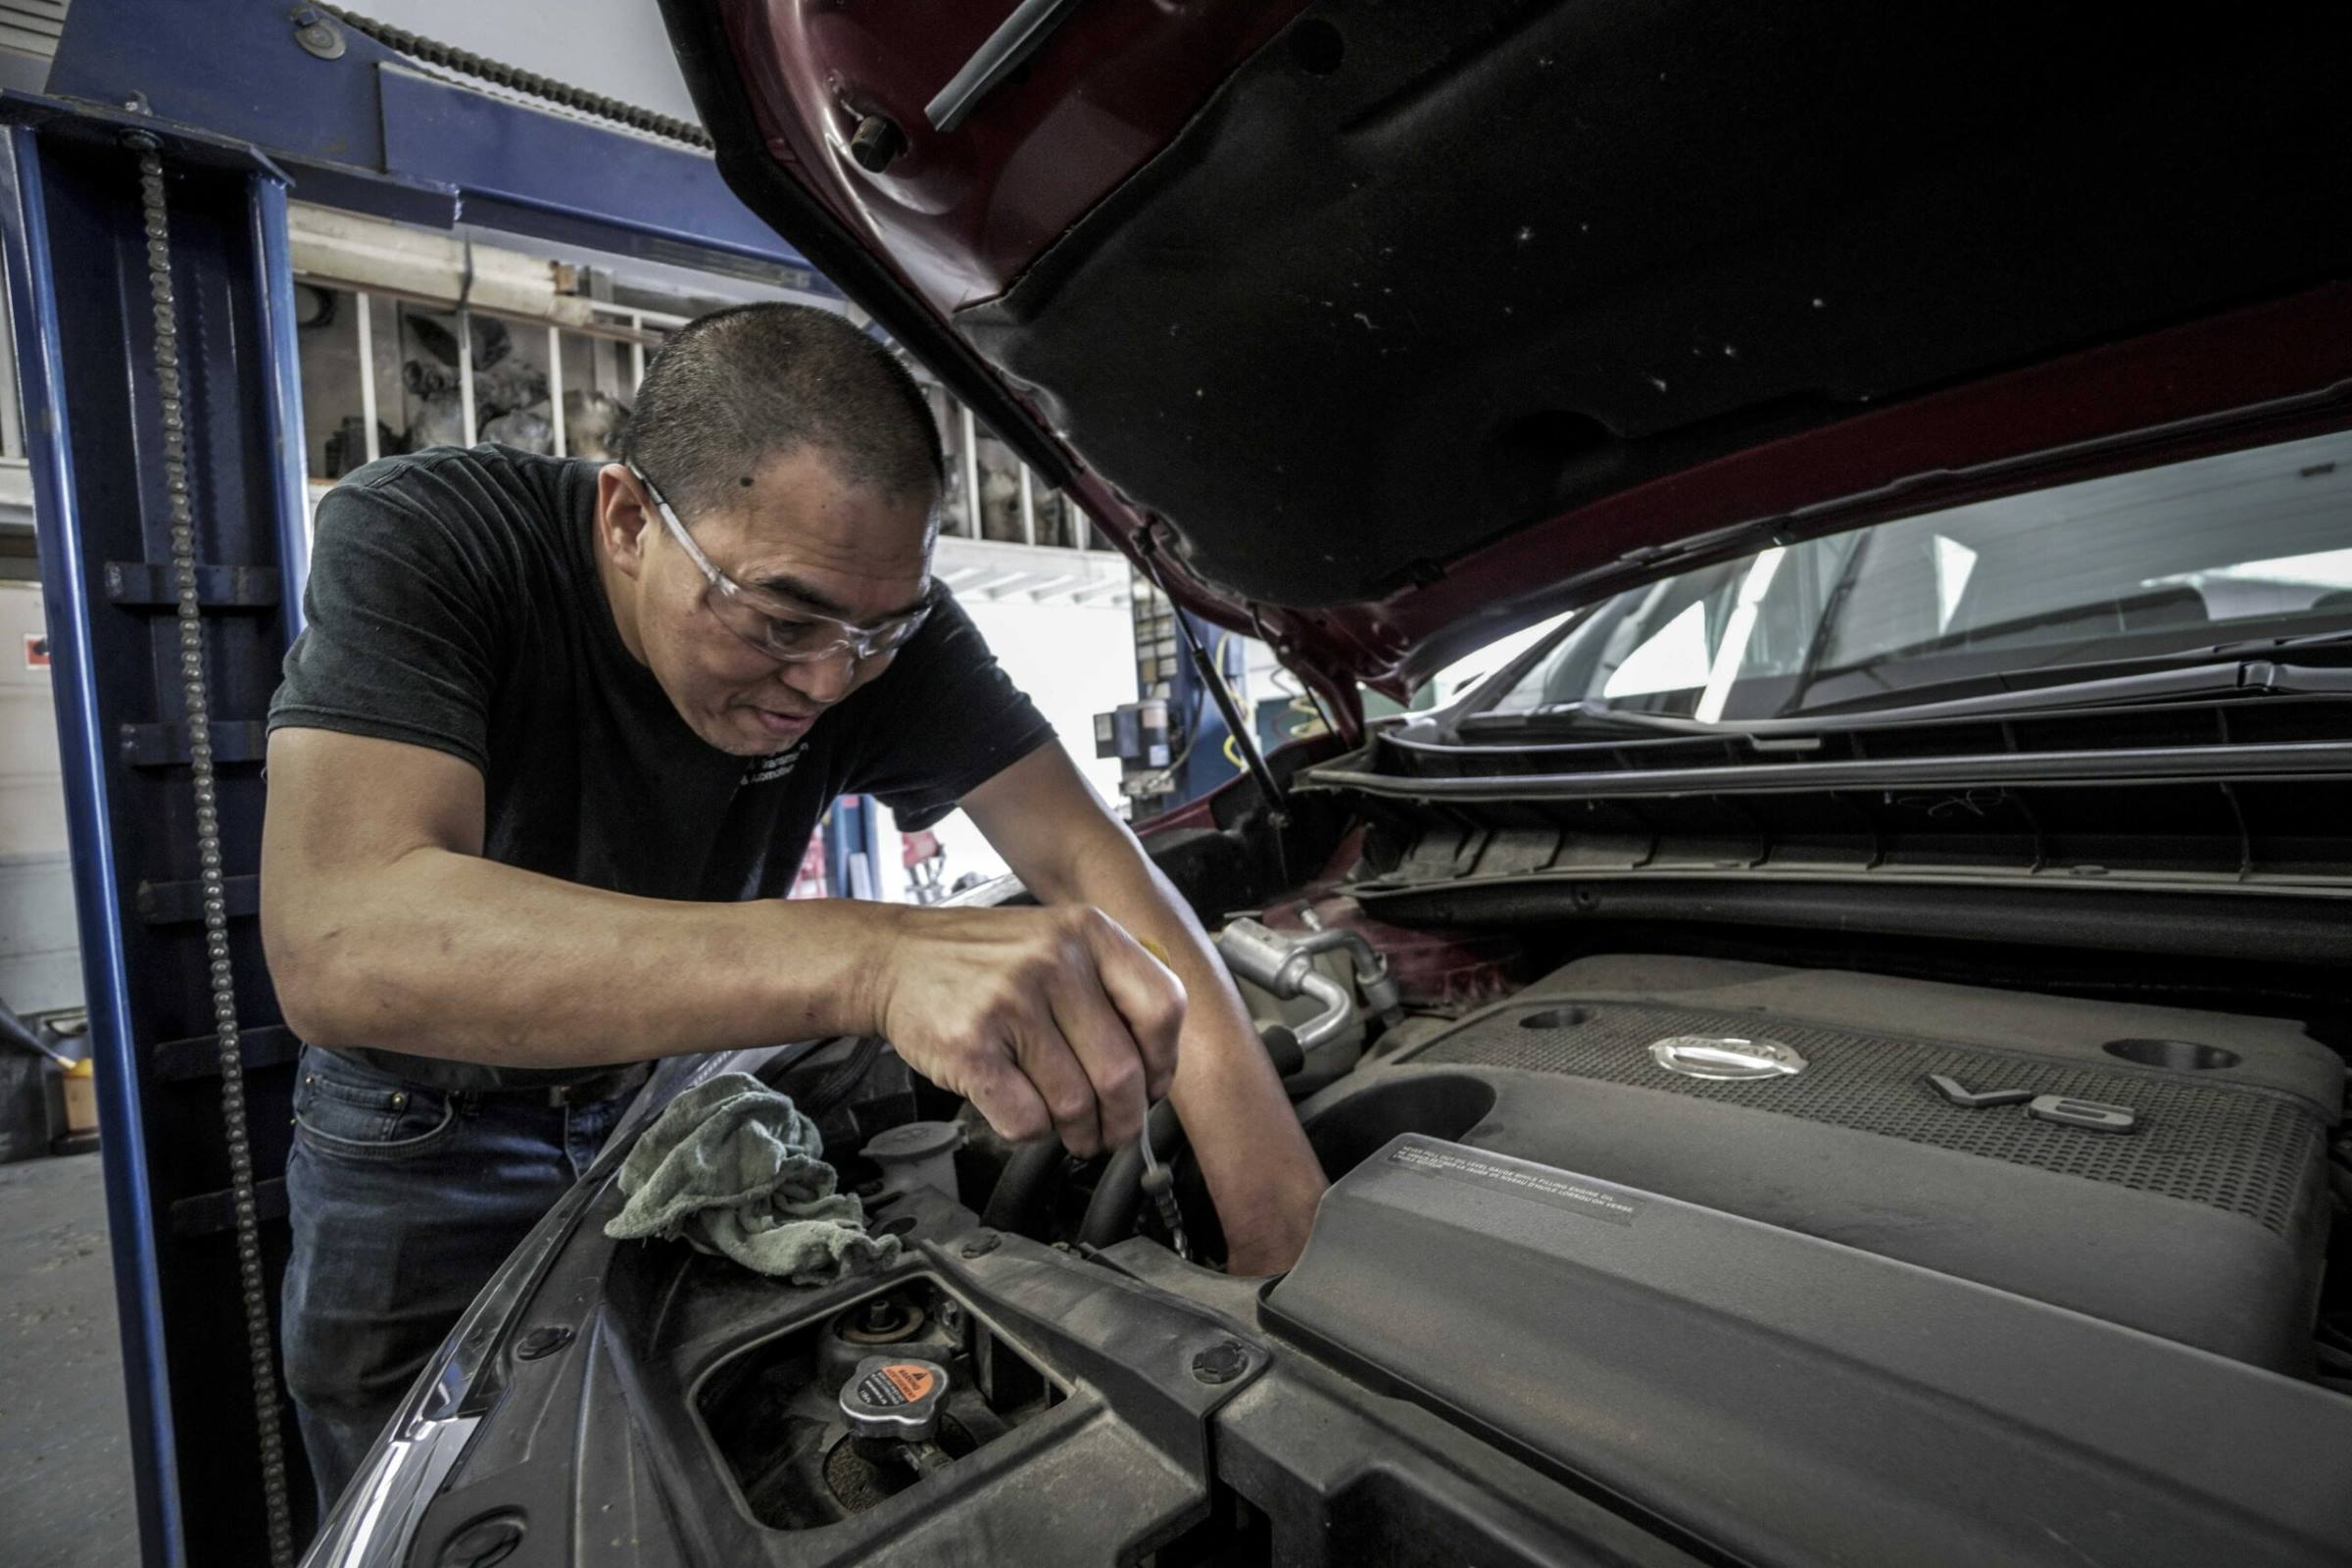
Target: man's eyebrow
{"x":795,"y":588}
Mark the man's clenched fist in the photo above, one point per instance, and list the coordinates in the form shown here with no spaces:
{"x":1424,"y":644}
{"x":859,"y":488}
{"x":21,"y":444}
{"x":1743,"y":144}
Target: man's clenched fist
{"x":1046,"y":1020}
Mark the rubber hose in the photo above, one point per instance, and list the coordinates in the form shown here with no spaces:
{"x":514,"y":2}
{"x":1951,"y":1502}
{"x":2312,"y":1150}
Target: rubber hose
{"x":15,"y":1031}
{"x":1282,"y":1048}
{"x":1019,"y":1202}
{"x":843,"y":1080}
{"x":1120,"y":1194}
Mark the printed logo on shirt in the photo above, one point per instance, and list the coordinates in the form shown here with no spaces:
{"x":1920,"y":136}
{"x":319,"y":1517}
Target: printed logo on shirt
{"x":767,"y":769}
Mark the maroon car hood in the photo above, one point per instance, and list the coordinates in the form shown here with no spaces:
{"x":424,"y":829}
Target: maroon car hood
{"x":1387,"y":328}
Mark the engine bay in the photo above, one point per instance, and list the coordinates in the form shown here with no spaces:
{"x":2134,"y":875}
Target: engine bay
{"x":1630,"y":1256}
{"x":1596,"y":1202}
{"x":2160,"y":1167}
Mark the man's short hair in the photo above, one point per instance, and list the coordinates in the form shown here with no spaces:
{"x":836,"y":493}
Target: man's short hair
{"x":738,"y":386}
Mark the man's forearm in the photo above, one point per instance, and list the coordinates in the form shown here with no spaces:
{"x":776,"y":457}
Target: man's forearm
{"x":1252,"y":1153}
{"x":447,"y":955}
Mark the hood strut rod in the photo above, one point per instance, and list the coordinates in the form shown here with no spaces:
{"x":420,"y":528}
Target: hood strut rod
{"x":1245,"y":739}
{"x":999,"y":55}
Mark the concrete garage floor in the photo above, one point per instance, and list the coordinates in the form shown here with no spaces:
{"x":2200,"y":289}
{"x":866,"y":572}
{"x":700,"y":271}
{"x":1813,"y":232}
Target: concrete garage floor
{"x":65,"y":1466}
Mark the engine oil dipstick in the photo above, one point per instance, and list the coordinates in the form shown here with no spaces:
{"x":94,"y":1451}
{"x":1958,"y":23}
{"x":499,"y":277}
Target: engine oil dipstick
{"x":1158,"y":1182}
{"x":1161,"y":1186}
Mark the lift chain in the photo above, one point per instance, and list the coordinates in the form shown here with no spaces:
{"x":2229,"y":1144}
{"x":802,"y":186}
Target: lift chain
{"x":251,"y":1277}
{"x":433,"y":52}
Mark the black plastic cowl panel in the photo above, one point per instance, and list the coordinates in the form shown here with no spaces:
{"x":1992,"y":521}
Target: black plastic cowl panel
{"x":1791,"y":1400}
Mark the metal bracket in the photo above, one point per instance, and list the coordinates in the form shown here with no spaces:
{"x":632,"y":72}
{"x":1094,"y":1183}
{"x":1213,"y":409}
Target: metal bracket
{"x":153,"y":585}
{"x":187,"y":1060}
{"x":210,"y":1214}
{"x":240,"y":739}
{"x":183,"y":902}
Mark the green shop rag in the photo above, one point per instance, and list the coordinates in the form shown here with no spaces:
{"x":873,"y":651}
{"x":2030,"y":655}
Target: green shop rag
{"x":732,"y":1167}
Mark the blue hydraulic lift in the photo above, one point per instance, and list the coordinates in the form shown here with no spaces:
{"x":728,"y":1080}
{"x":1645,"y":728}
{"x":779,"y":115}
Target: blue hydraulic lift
{"x":142,"y":363}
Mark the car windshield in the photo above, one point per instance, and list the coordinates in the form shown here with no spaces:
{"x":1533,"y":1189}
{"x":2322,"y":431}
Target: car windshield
{"x":2248,"y":545}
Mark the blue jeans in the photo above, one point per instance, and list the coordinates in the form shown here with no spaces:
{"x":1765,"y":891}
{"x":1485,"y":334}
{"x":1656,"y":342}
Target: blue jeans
{"x":404,"y":1201}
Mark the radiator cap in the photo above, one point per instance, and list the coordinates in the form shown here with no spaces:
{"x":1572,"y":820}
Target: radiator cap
{"x":894,"y":1397}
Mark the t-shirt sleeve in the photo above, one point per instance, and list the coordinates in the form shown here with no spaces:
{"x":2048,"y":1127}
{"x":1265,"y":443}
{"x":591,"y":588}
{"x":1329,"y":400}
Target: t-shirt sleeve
{"x":945,"y":719}
{"x":401,"y":628}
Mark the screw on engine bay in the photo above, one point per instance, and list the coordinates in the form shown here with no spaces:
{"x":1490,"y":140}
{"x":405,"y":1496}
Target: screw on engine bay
{"x":983,"y":1244}
{"x":1221,"y":1363}
{"x":545,"y":1339}
{"x":484,"y":1542}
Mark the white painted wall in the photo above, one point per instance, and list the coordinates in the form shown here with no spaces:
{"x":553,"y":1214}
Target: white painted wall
{"x":614,"y":47}
{"x":40,"y":963}
{"x":1074,"y":661}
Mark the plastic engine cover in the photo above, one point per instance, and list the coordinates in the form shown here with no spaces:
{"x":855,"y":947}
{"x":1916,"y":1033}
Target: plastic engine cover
{"x":2204,"y":1223}
{"x":1787,"y":1400}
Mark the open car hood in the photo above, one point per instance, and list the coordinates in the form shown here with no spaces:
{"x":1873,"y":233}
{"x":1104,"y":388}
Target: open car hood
{"x":1387,"y":329}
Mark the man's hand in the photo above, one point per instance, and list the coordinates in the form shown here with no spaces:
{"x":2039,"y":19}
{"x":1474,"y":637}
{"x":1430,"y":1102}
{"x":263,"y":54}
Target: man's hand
{"x":1046,"y":1020}
{"x":1073,"y":854}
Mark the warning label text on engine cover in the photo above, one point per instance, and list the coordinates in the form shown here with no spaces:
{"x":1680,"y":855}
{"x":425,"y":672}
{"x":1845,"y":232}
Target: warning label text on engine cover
{"x":1555,"y":1188}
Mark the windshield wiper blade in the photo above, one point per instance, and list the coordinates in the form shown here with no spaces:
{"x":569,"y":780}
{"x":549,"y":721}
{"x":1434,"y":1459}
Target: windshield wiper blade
{"x":2241,"y":665}
{"x":2236,"y":679}
{"x":2057,"y":663}
{"x":2213,"y":679}
{"x":2237,"y":667}
{"x":1594,"y":711}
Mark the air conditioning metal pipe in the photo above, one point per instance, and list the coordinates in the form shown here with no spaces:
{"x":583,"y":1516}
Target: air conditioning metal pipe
{"x":1285,"y":965}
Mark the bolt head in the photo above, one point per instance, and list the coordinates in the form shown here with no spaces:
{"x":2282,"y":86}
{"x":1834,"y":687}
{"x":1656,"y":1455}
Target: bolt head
{"x":484,"y":1542}
{"x":316,"y":32}
{"x":875,"y":142}
{"x":1221,"y":1363}
{"x":545,"y":1339}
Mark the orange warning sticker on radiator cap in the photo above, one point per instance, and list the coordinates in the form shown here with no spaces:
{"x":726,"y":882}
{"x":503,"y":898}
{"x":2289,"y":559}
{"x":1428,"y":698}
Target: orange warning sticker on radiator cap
{"x":912,"y":1380}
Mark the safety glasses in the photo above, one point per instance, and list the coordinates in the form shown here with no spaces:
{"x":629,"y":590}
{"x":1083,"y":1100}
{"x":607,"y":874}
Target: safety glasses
{"x":781,"y":632}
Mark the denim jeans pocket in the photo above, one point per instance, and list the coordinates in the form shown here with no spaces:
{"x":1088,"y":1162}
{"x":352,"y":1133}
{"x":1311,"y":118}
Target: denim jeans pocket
{"x":355,"y":1113}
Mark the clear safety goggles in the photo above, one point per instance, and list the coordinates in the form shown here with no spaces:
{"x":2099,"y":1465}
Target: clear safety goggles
{"x":781,"y":632}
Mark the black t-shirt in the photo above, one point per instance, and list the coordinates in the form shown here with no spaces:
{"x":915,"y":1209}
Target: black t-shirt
{"x":454,"y":603}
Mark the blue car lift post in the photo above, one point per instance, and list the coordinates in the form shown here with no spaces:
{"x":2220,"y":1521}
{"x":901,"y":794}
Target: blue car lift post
{"x":238,"y":111}
{"x":78,"y":281}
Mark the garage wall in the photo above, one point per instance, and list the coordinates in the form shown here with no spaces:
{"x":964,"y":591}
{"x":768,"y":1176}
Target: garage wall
{"x":1074,"y":661}
{"x":40,"y":961}
{"x":614,"y":47}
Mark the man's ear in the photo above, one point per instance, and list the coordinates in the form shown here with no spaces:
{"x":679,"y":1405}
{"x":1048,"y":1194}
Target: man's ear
{"x":621,"y":518}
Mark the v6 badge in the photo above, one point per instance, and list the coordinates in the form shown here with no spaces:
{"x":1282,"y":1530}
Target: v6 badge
{"x":2091,"y":1115}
